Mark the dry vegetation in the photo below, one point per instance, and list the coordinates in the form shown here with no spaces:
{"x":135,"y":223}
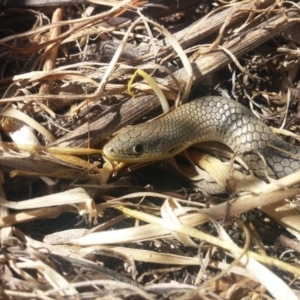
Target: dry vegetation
{"x":76,"y":226}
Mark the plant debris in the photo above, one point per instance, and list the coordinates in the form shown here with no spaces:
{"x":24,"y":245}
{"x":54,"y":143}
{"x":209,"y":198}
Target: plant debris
{"x":75,"y":225}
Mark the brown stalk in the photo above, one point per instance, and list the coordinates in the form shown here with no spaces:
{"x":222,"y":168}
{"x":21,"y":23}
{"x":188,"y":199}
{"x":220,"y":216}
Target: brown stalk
{"x":203,"y":66}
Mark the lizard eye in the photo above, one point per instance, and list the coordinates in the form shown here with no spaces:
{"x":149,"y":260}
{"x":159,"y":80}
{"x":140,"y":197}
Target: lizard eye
{"x":138,"y":149}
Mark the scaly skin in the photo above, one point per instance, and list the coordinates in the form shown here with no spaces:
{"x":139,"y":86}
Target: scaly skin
{"x":210,"y":118}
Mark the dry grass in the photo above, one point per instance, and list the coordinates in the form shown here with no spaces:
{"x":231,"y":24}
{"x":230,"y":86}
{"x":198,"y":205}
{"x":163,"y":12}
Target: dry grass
{"x":74,"y":225}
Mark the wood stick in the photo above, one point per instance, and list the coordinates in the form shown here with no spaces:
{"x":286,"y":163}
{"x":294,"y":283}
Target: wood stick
{"x":132,"y":110}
